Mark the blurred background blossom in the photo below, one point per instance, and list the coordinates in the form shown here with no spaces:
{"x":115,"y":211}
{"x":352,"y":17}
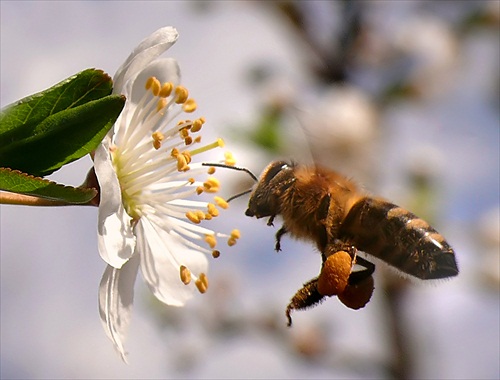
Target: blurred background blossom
{"x":402,"y":96}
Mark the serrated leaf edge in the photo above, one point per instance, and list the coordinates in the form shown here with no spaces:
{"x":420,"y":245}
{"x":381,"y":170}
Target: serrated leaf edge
{"x":46,"y":181}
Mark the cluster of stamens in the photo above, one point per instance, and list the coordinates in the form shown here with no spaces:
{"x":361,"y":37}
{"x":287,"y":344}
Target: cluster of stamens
{"x":201,"y":282}
{"x":139,"y":167}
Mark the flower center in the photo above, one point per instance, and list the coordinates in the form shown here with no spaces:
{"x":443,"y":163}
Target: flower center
{"x":149,"y":146}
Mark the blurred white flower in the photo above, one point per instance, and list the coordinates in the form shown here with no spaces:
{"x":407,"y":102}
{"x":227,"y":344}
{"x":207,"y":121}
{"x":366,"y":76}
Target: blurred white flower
{"x":434,"y":50}
{"x":146,"y":176}
{"x":342,"y":129}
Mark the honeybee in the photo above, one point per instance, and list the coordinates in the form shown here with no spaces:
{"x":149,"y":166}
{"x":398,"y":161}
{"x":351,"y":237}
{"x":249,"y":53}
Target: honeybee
{"x":322,"y":206}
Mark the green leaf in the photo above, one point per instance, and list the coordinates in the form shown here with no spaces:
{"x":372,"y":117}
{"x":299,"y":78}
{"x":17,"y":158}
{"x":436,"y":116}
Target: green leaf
{"x":63,"y":137}
{"x":20,"y":120}
{"x":45,"y":131}
{"x":267,"y":132}
{"x":22,"y":183}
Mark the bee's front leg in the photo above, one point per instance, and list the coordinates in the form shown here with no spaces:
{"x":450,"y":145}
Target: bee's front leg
{"x":307,"y":296}
{"x":271,"y":220}
{"x":279,"y":234}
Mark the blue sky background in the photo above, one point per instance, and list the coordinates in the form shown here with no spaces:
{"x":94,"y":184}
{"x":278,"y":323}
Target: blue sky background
{"x":50,"y":267}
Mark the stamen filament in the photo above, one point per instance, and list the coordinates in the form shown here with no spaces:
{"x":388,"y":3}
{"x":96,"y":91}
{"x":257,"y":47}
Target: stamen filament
{"x":219,"y":143}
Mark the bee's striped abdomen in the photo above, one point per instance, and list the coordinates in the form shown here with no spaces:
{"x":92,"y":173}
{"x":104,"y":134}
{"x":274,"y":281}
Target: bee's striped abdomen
{"x":399,"y":238}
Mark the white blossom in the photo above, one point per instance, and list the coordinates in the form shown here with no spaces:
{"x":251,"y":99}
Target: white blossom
{"x":147,"y":175}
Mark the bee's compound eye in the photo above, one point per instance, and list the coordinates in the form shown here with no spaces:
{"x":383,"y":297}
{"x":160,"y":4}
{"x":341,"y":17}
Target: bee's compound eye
{"x":274,"y":169}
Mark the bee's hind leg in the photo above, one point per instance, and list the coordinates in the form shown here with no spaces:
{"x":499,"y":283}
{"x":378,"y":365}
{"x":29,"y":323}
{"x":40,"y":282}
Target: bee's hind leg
{"x":307,"y":296}
{"x":358,"y":276}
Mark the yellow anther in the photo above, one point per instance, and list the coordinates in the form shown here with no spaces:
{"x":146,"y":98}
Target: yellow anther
{"x":189,"y":105}
{"x":208,"y":216}
{"x":211,"y":185}
{"x":149,"y":82}
{"x":197,"y":124}
{"x":175,"y":152}
{"x":211,"y":170}
{"x":235,"y":235}
{"x":166,"y":89}
{"x":185,"y":275}
{"x":202,"y":283}
{"x":184,"y":132}
{"x":197,"y":139}
{"x":199,"y":190}
{"x":183,"y":159}
{"x":221,"y":202}
{"x":182,"y":164}
{"x":215,"y":253}
{"x":200,"y":214}
{"x":155,"y":86}
{"x":211,"y":241}
{"x":191,"y":180}
{"x":162,"y":103}
{"x":193,"y":217}
{"x":229,"y":159}
{"x":181,"y":94}
{"x":212,"y":210}
{"x":188,"y":140}
{"x":158,"y":137}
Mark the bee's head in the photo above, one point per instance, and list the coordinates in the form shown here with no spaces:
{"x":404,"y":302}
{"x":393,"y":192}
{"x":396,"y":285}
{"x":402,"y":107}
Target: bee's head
{"x":274,"y":180}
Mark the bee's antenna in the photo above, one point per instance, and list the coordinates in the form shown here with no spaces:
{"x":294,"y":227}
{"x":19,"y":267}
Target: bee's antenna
{"x":240,"y":169}
{"x":238,"y":195}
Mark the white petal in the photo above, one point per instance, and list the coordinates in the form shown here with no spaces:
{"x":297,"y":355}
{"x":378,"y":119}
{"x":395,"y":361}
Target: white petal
{"x":162,"y":253}
{"x":164,"y":69}
{"x":116,"y":297}
{"x":149,"y":49}
{"x":115,"y":237}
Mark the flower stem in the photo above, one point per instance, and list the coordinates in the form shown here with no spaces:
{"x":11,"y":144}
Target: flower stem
{"x":28,"y":200}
